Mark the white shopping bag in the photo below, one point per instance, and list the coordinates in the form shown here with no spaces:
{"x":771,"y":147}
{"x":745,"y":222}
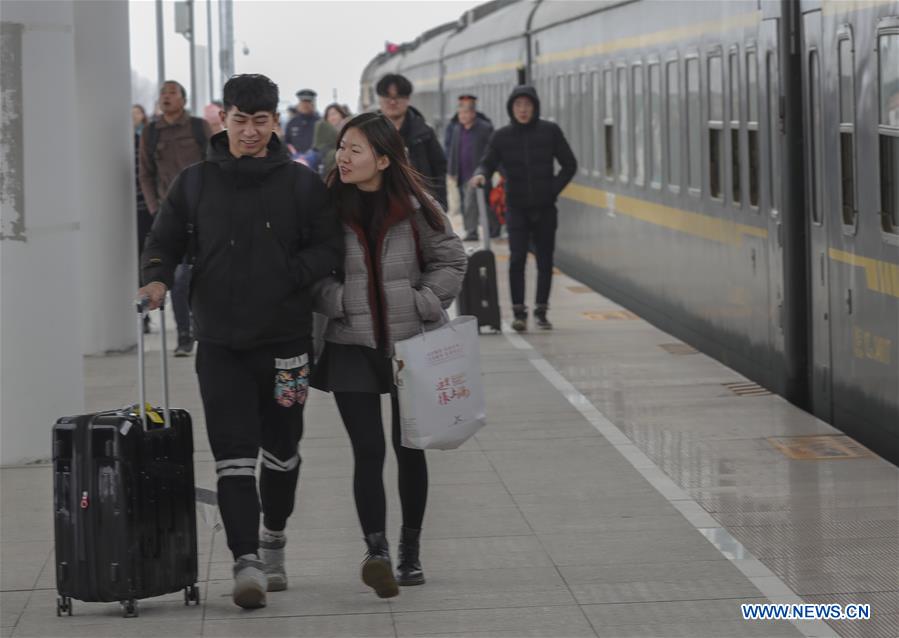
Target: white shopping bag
{"x":438,"y":376}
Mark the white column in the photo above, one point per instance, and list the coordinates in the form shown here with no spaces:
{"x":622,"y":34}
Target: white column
{"x":105,"y":175}
{"x":67,"y":246}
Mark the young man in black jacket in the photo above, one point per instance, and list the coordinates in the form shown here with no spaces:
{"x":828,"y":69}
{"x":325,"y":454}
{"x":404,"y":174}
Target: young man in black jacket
{"x":260,"y":232}
{"x":525,"y":149}
{"x":424,"y":150}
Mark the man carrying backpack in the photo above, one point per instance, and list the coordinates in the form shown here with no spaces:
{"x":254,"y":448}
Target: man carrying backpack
{"x":168,"y":145}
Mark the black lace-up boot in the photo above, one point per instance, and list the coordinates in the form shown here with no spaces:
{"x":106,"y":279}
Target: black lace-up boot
{"x":408,"y":571}
{"x":377,"y":571}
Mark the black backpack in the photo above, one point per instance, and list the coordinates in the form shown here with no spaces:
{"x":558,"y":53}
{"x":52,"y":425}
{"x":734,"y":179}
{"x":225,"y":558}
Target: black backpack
{"x":196,"y":127}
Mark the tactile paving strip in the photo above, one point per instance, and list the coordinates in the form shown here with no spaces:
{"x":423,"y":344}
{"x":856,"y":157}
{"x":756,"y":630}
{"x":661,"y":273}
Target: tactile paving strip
{"x":746,"y":389}
{"x":580,"y":289}
{"x":884,"y":621}
{"x":837,"y":574}
{"x":678,"y":348}
{"x":610,"y":315}
{"x":825,"y":446}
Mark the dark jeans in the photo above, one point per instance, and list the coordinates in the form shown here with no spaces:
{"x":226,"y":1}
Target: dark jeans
{"x":180,"y":299}
{"x":526,"y":225}
{"x":361,"y":414}
{"x":254,"y":399}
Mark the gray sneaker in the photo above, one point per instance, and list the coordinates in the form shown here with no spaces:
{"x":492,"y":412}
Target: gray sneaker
{"x":250,"y":582}
{"x":271,"y":551}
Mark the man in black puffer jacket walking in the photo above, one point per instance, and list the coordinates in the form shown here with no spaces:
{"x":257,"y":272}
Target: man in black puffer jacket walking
{"x":525,"y":149}
{"x":260,"y":231}
{"x":424,"y":150}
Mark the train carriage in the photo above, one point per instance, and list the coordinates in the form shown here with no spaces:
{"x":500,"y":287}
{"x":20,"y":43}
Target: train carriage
{"x":738,"y":179}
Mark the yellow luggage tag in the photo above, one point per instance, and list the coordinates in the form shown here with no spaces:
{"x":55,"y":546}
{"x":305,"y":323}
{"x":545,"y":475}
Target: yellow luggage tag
{"x":152,"y":414}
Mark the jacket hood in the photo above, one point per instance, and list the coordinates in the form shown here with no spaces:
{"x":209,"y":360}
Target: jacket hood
{"x":414,"y":126}
{"x":252,"y":169}
{"x":529,"y":92}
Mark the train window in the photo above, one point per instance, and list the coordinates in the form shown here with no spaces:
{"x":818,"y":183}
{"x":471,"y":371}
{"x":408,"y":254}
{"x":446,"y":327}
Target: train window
{"x":624,"y":159}
{"x":574,"y":117}
{"x":609,"y":121}
{"x":772,"y":90}
{"x":673,"y":128}
{"x":694,"y":120}
{"x":752,"y":125}
{"x":588,"y":132}
{"x":888,"y":53}
{"x":814,"y":138}
{"x":716,"y":125}
{"x":734,"y":74}
{"x":847,"y":128}
{"x":655,"y":126}
{"x":561,"y":103}
{"x":639,"y":170}
{"x":594,"y":124}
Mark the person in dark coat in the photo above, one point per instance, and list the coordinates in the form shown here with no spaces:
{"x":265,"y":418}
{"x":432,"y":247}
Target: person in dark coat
{"x":526,"y":150}
{"x":301,"y":128}
{"x":261,"y":231}
{"x":468,"y":135}
{"x":424,"y":150}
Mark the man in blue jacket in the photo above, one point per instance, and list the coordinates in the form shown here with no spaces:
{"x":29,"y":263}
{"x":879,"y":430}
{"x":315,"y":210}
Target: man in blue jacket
{"x":260,"y":232}
{"x":526,"y":150}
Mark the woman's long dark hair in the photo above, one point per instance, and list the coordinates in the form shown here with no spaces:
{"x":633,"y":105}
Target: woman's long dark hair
{"x":399,"y":179}
{"x":344,"y":113}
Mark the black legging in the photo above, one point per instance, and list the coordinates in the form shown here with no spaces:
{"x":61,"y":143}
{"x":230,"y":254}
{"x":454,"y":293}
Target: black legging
{"x":361,"y":413}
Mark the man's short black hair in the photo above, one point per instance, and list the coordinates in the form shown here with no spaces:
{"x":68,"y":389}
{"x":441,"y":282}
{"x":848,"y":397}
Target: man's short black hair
{"x":250,"y":93}
{"x":178,"y":84}
{"x":401,"y":82}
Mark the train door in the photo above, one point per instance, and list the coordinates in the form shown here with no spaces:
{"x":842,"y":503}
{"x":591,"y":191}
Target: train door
{"x":816,"y":223}
{"x":772,"y":121}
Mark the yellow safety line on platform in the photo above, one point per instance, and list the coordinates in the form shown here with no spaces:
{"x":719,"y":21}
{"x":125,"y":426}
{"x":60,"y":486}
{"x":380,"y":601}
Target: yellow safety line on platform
{"x":653,"y":39}
{"x":880,"y":276}
{"x":696,"y":224}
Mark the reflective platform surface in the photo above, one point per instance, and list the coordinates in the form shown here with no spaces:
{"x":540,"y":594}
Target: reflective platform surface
{"x":625,"y":486}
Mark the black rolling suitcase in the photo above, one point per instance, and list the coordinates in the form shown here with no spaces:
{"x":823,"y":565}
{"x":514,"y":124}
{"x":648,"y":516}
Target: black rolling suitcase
{"x":123,"y":489}
{"x":479,"y":295}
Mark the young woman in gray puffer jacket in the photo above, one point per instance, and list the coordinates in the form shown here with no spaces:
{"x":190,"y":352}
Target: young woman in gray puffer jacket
{"x":403,"y":266}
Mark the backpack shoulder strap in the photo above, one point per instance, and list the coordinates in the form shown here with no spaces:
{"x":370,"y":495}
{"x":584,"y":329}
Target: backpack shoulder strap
{"x":152,"y":137}
{"x":199,"y":133}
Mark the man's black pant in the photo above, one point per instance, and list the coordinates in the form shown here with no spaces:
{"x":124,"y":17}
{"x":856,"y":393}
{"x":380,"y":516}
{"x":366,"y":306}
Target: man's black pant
{"x":526,"y":225}
{"x":254,"y":399}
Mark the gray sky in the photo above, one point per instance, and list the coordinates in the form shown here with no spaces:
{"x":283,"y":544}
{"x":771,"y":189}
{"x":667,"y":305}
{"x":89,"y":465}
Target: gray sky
{"x":297,"y":43}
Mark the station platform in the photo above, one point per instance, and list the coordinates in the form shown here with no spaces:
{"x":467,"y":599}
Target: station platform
{"x":625,"y":486}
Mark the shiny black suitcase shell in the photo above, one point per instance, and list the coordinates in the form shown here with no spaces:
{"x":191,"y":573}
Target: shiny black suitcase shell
{"x":479,"y":295}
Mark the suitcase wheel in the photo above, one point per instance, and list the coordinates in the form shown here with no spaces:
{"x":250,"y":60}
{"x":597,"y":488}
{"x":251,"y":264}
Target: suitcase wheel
{"x":191,"y":595}
{"x":129,"y":608}
{"x":63,"y":606}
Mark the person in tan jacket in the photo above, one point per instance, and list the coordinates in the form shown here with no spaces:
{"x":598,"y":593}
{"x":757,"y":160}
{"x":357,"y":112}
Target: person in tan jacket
{"x":168,"y":145}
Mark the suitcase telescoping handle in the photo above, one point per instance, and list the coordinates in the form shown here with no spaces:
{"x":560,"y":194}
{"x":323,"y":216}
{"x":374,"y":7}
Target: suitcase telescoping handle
{"x":142,"y":305}
{"x":482,"y":216}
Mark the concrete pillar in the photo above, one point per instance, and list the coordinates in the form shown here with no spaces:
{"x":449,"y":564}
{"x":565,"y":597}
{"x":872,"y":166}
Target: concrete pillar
{"x":67,"y":247}
{"x":106,"y":196}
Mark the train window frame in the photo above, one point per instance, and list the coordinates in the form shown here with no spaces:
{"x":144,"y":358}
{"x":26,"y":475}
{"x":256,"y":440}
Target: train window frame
{"x":889,"y":228}
{"x":715,"y":127}
{"x":574,"y":115}
{"x":596,"y":120}
{"x":668,"y":160}
{"x":773,"y":104}
{"x":753,"y":148}
{"x":693,"y":137}
{"x":846,"y":127}
{"x":588,"y":132}
{"x":654,"y":133}
{"x":609,"y":102}
{"x":560,"y":86}
{"x":624,"y":155}
{"x":734,"y":126}
{"x":639,"y":125}
{"x":814,"y":138}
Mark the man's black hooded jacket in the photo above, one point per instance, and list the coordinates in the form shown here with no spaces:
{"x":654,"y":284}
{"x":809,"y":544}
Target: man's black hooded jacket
{"x":264,"y":233}
{"x":526,"y":153}
{"x":425,"y":153}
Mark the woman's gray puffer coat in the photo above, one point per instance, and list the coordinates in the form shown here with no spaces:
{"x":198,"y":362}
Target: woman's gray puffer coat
{"x":421,"y":271}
